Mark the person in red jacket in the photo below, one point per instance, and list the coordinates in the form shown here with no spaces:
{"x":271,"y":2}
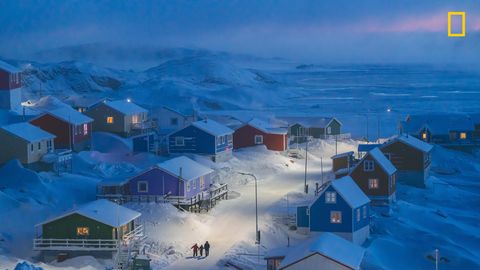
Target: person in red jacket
{"x":195,"y":250}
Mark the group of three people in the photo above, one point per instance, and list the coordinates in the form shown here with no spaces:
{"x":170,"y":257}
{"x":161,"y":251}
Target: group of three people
{"x":200,"y":248}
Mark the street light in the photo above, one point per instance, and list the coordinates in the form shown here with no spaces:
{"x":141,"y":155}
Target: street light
{"x":257,"y":232}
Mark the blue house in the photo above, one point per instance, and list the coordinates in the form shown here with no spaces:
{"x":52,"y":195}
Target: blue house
{"x":341,"y":208}
{"x":205,"y":137}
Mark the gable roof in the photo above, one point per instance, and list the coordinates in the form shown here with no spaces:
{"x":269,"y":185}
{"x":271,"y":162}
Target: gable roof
{"x":190,"y":169}
{"x":411,"y":141}
{"x":350,"y":192}
{"x":28,"y":132}
{"x":125,"y":107}
{"x":212,"y":127}
{"x":70,"y":115}
{"x":9,"y":68}
{"x":103,"y":211}
{"x":367,"y":147}
{"x":188,"y":112}
{"x":381,"y":159}
{"x":265,"y":127}
{"x":350,"y":153}
{"x":328,"y":245}
{"x":311,"y":121}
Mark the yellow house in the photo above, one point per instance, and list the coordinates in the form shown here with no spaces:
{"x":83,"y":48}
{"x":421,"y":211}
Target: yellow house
{"x":24,"y":142}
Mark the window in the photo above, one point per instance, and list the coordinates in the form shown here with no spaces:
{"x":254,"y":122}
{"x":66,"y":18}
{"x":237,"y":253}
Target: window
{"x":142,"y":186}
{"x":188,"y":186}
{"x":335,"y":217}
{"x":364,"y":211}
{"x":109,"y":119}
{"x":330,"y":197}
{"x":179,"y":141}
{"x":83,"y":231}
{"x":373,"y":183}
{"x":358,"y":214}
{"x":49,"y":145}
{"x":85,"y":129}
{"x":230,"y":138}
{"x":194,"y":184}
{"x":308,"y":211}
{"x":368,"y":166}
{"x":424,"y":136}
{"x":258,"y":139}
{"x":463,"y":135}
{"x":174,"y":121}
{"x":202,"y":182}
{"x":31,"y":147}
{"x":136,"y":119}
{"x":329,"y":130}
{"x":39,"y":145}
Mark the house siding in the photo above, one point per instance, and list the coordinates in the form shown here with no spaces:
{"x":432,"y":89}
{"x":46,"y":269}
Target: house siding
{"x":320,"y":214}
{"x":66,"y":228}
{"x":159,"y":183}
{"x":314,"y":262}
{"x":361,"y":178}
{"x":245,"y":137}
{"x":100,"y":112}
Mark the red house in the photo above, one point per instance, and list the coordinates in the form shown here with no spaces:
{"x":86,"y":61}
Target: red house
{"x":10,"y":86}
{"x":258,"y":132}
{"x":72,"y":129}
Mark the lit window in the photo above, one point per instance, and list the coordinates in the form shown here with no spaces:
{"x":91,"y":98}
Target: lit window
{"x":335,"y":217}
{"x":424,"y":135}
{"x":83,"y":231}
{"x":463,"y":135}
{"x":368,"y":166}
{"x":194,"y":184}
{"x":179,"y":141}
{"x":330,"y":197}
{"x":373,"y":183}
{"x":135,"y":119}
{"x":358,"y":214}
{"x":110,"y":120}
{"x":258,"y":139}
{"x":142,"y":186}
{"x":85,"y":129}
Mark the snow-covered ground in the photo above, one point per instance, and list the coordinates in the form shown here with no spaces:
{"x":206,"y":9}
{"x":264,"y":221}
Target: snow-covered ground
{"x":444,"y":215}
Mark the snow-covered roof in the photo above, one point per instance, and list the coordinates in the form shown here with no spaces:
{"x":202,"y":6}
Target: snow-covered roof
{"x":28,"y":132}
{"x":185,"y":112}
{"x":190,"y":168}
{"x":413,"y":142}
{"x":266,"y":127}
{"x":329,"y":245}
{"x":440,"y":123}
{"x":70,"y":115}
{"x":126,"y":107}
{"x":212,"y":127}
{"x":84,"y":101}
{"x":376,"y":154}
{"x":350,"y":153}
{"x":367,"y":147}
{"x":103,"y":211}
{"x":7,"y":67}
{"x":350,"y":192}
{"x":310,"y":121}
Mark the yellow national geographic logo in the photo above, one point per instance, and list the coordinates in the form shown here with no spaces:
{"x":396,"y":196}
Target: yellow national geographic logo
{"x":464,"y":24}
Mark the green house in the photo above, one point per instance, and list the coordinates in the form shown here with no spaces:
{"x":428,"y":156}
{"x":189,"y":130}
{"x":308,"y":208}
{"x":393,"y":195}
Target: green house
{"x":99,"y":225}
{"x":316,"y":127}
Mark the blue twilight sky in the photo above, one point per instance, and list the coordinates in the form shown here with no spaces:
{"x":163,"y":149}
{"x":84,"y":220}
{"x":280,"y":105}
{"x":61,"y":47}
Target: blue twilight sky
{"x":316,"y":30}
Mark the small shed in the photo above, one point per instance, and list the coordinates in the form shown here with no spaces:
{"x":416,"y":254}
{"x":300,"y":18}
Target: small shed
{"x":259,"y":132}
{"x":206,"y":137}
{"x":24,"y":142}
{"x":376,"y":176}
{"x":342,"y":163}
{"x":310,"y":126}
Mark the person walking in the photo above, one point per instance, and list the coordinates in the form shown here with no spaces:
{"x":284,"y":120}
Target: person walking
{"x":206,"y":246}
{"x":195,"y":250}
{"x":201,"y":250}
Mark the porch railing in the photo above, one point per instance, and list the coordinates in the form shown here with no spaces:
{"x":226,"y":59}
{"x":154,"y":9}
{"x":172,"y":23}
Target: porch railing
{"x":76,"y":244}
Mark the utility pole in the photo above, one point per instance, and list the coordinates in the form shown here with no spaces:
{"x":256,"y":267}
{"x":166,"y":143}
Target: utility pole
{"x":321,"y":168}
{"x":367,"y":126}
{"x":306,"y":163}
{"x":436,"y":259}
{"x":257,"y":232}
